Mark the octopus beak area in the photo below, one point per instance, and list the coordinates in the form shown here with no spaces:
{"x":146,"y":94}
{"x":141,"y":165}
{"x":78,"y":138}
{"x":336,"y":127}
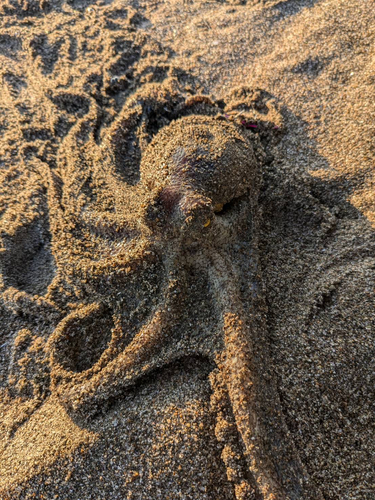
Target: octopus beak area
{"x":186,"y":212}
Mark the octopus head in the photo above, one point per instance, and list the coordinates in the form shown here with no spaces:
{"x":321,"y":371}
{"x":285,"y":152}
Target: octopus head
{"x":192,"y":169}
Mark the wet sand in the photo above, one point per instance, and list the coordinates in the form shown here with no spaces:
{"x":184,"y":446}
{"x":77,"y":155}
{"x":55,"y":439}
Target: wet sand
{"x":70,"y":71}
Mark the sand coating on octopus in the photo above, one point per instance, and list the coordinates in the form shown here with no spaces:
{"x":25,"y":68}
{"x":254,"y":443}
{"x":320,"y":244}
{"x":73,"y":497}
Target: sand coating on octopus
{"x":192,"y":166}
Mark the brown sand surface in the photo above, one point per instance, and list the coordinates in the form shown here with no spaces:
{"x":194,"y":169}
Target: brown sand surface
{"x":147,"y":352}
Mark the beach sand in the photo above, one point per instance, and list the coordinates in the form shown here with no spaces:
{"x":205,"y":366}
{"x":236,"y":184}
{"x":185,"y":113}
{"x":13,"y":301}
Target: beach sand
{"x":69,"y":70}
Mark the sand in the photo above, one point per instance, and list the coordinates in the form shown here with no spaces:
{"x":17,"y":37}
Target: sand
{"x":139,"y":357}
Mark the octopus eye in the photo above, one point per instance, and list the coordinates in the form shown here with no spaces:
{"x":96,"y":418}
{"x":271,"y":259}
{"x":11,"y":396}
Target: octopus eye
{"x":207,"y":223}
{"x":232,"y":206}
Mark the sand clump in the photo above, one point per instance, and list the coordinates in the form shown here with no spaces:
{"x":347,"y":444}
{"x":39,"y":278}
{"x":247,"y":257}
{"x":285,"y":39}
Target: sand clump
{"x":86,"y":86}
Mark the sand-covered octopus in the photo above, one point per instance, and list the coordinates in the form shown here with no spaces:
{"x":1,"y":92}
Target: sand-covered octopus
{"x":157,"y":225}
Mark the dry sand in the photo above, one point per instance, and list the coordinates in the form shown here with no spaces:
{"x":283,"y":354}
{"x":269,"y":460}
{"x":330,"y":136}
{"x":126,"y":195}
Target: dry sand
{"x":69,"y":70}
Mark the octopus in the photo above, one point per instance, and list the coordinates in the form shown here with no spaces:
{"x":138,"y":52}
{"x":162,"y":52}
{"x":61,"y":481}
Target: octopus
{"x":168,"y":267}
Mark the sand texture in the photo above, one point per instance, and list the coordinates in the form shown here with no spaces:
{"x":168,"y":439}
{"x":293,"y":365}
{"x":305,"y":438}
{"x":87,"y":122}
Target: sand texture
{"x":187,"y":236}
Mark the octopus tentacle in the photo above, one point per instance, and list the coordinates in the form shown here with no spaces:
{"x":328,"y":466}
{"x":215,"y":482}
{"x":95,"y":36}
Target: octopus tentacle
{"x":246,"y":386}
{"x":226,"y":433}
{"x":83,"y":393}
{"x":32,"y":306}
